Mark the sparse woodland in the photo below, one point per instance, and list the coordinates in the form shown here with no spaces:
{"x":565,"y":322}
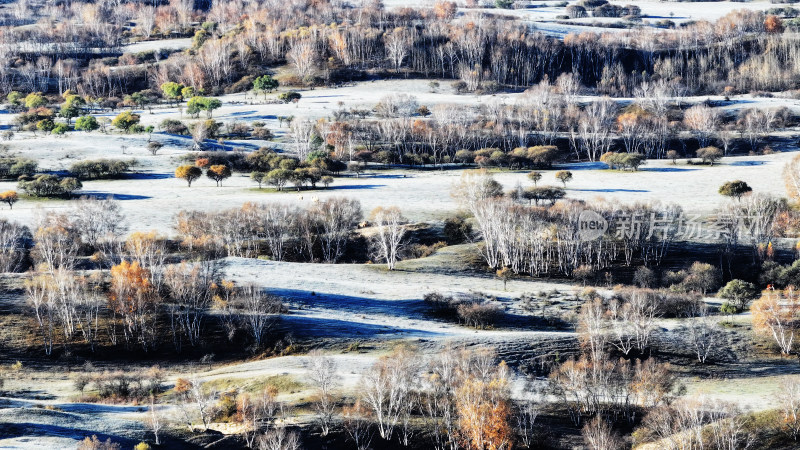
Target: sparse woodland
{"x":503,"y":325}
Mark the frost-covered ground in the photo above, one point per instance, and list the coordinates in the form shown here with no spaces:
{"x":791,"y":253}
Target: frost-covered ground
{"x":162,"y":44}
{"x":544,"y":15}
{"x":152,"y":196}
{"x":334,"y":301}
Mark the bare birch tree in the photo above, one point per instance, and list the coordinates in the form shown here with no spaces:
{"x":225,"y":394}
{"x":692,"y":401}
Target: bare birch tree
{"x":322,"y":373}
{"x":390,"y":232}
{"x":336,"y":217}
{"x":387,"y":387}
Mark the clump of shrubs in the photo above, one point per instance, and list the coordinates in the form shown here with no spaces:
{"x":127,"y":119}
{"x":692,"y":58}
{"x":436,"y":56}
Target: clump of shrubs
{"x":93,"y":443}
{"x":173,"y":126}
{"x":474,"y":310}
{"x":46,"y":185}
{"x":700,"y":277}
{"x":456,"y":230}
{"x":623,"y":161}
{"x":423,"y":251}
{"x":667,"y":303}
{"x":275,"y":169}
{"x":100,"y":168}
{"x":120,"y":386}
{"x":12,"y":167}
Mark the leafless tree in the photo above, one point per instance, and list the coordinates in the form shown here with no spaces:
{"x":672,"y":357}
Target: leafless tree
{"x":777,"y":315}
{"x":569,"y":86}
{"x":621,"y":327}
{"x":791,"y":177}
{"x":336,"y":218}
{"x":387,"y":388}
{"x":322,"y":373}
{"x":704,"y":335}
{"x":57,"y":241}
{"x":702,"y":120}
{"x":725,"y":136}
{"x":755,"y":124}
{"x":65,"y":74}
{"x":591,"y":326}
{"x":697,"y":422}
{"x":303,"y":56}
{"x":145,"y":19}
{"x":438,"y":387}
{"x":594,"y":128}
{"x":256,"y":411}
{"x":203,"y":399}
{"x":396,"y":105}
{"x":275,"y":222}
{"x":730,"y":429}
{"x":390,"y":233}
{"x":215,"y":59}
{"x":643,"y":314}
{"x":527,"y":413}
{"x":397,"y":46}
{"x":13,"y":251}
{"x":90,"y":303}
{"x":199,"y":134}
{"x":190,"y":290}
{"x":100,"y":223}
{"x":155,"y":420}
{"x":357,"y":425}
{"x":598,"y":435}
{"x":279,"y":438}
{"x":258,"y":312}
{"x":149,"y":249}
{"x":44,"y":303}
{"x":756,"y":214}
{"x":789,"y":403}
{"x":303,"y":132}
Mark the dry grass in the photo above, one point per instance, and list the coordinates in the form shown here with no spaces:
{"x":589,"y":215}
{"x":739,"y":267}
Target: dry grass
{"x":284,"y":384}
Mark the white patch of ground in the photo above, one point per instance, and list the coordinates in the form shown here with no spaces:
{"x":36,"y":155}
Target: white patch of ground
{"x":151,"y":198}
{"x":28,"y":425}
{"x":543,"y":15}
{"x":163,"y":44}
{"x":337,"y":299}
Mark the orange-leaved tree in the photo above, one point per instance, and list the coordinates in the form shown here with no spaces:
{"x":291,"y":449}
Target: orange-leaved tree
{"x":188,"y":173}
{"x":218,"y":172}
{"x":132,"y":297}
{"x":9,"y":197}
{"x":777,"y":315}
{"x":484,"y":411}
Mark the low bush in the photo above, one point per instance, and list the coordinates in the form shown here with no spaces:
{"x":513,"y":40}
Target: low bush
{"x":100,"y":168}
{"x":423,"y":251}
{"x":13,"y":167}
{"x":93,"y":443}
{"x":120,"y":386}
{"x":456,"y":230}
{"x":474,"y":310}
{"x":667,"y":303}
{"x":173,"y":126}
{"x":46,"y":185}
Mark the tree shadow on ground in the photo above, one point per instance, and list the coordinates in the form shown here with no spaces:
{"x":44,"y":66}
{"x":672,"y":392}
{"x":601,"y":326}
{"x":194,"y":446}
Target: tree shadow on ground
{"x":147,"y":176}
{"x":665,"y":169}
{"x":109,"y":195}
{"x":320,"y":327}
{"x":378,"y":309}
{"x":610,"y":190}
{"x":747,"y":163}
{"x":355,"y":186}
